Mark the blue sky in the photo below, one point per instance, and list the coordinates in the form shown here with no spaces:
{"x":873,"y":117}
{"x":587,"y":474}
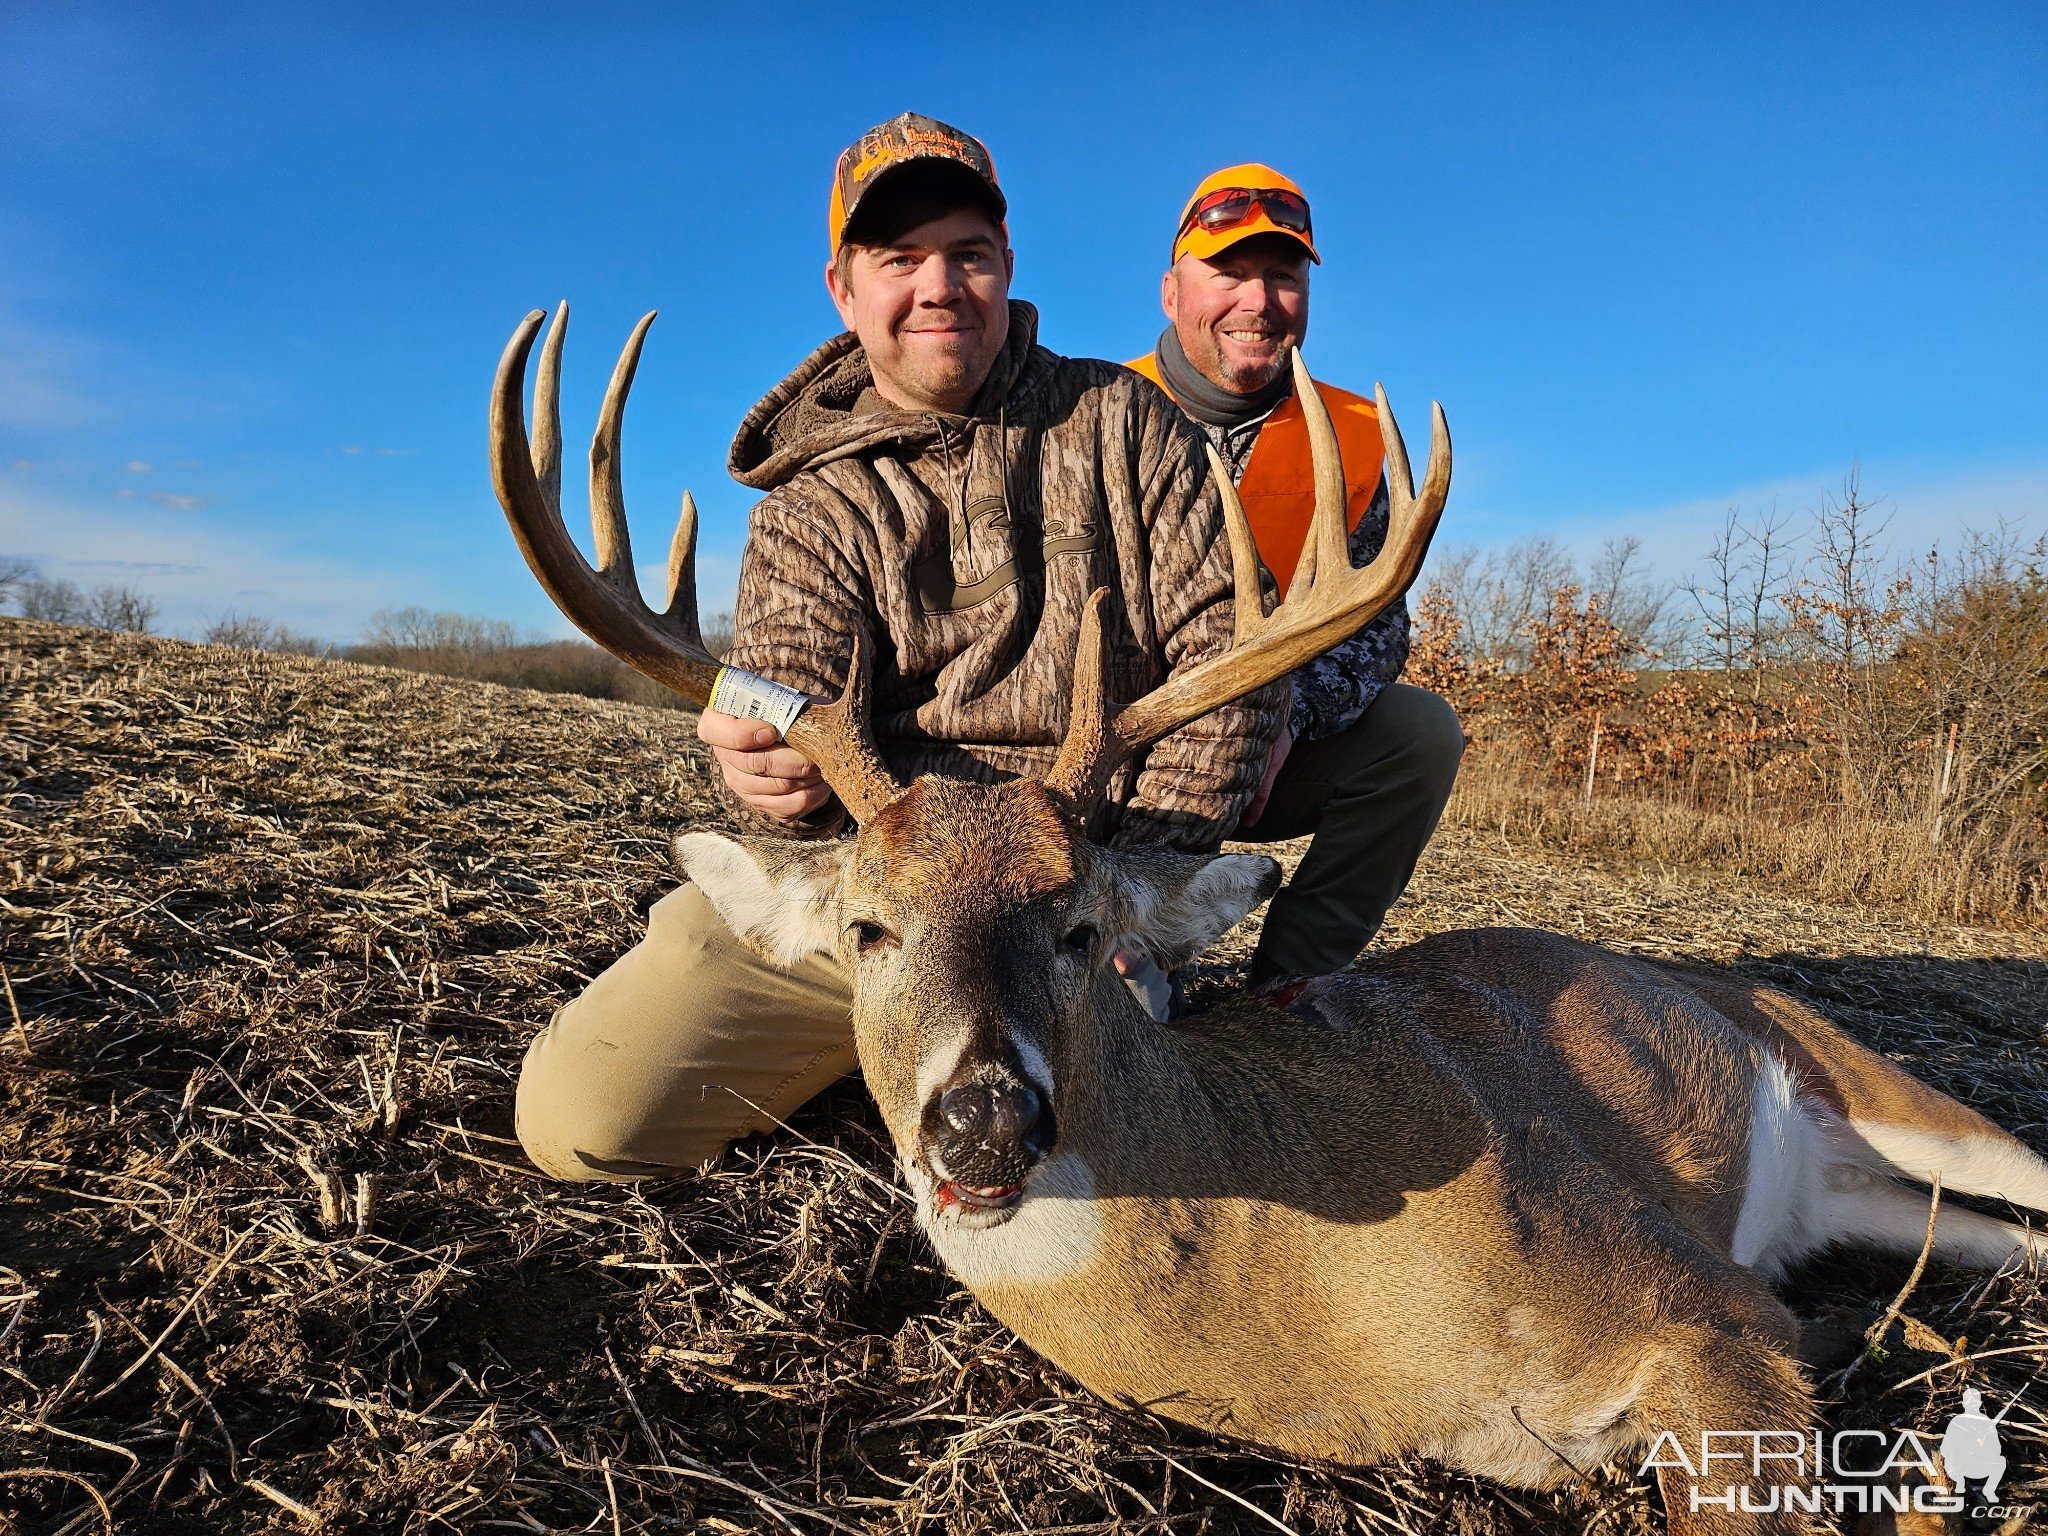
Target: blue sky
{"x":256,"y":265}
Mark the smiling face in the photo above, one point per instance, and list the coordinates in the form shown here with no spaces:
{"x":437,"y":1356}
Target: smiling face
{"x":1237,"y":313}
{"x":931,"y":307}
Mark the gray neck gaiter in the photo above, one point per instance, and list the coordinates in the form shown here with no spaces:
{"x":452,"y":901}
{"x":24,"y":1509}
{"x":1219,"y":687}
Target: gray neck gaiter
{"x":1208,"y":401}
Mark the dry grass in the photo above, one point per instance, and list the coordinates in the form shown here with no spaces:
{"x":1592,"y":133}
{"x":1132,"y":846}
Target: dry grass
{"x":275,"y":933}
{"x":1835,"y":852}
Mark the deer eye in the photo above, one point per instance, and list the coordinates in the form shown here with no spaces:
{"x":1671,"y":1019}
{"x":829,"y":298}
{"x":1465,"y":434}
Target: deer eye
{"x":1081,"y":940}
{"x":869,"y":936}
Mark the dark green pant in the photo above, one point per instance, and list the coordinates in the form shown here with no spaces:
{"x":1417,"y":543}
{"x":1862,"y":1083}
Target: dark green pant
{"x":1371,"y":795}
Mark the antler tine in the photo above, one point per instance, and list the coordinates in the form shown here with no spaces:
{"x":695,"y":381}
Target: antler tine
{"x":1403,"y":503}
{"x":607,"y":493}
{"x":1330,"y":535}
{"x":1244,"y":553}
{"x":615,"y":617}
{"x":839,"y":738}
{"x":1335,"y":603}
{"x":605,"y":602}
{"x":547,"y":414}
{"x":1086,"y":743}
{"x":681,"y":607}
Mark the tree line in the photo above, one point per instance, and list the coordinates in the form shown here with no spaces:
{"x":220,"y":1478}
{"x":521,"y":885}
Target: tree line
{"x":418,"y":639}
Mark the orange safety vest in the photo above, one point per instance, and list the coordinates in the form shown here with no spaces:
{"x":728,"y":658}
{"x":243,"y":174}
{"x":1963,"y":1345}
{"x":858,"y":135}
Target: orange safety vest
{"x":1278,"y":488}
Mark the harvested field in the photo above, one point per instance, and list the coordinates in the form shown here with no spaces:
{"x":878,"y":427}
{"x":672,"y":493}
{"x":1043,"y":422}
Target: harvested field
{"x":276,"y":932}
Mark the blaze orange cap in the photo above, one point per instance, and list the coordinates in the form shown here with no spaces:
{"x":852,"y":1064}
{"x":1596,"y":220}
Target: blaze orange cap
{"x":1193,"y":240}
{"x":903,"y":140}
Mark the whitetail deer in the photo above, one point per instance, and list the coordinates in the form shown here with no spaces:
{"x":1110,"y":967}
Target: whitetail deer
{"x":1500,"y":1197}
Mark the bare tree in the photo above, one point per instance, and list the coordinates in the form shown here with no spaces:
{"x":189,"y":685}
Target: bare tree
{"x":120,"y":608}
{"x":1741,"y":601}
{"x":1631,"y":598}
{"x":57,"y":601}
{"x":421,"y":629}
{"x":253,"y":632}
{"x":1500,"y":593}
{"x":15,"y":572}
{"x":1846,"y":618}
{"x":52,"y":599}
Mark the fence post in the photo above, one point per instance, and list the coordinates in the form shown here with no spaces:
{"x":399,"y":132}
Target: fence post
{"x":1948,"y":763}
{"x":1593,"y":756}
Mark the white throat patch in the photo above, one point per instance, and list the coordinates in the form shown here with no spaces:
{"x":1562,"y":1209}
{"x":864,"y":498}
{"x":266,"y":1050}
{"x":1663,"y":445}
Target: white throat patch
{"x":1054,"y":1235}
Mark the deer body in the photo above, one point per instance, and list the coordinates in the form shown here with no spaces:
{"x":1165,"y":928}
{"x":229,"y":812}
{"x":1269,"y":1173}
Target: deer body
{"x":1343,"y":1191}
{"x":1448,"y":1204}
{"x":1501,"y":1198}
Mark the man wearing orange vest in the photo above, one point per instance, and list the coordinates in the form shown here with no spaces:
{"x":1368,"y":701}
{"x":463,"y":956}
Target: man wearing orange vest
{"x":1363,"y":761}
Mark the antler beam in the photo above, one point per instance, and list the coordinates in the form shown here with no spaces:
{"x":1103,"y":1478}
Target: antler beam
{"x":604,"y":601}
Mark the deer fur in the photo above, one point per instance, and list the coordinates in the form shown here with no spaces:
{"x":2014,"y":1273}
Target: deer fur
{"x":1501,"y":1197}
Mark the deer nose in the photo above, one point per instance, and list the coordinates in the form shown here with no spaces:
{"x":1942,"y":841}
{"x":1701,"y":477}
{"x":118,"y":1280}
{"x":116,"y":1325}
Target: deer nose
{"x":990,"y":1111}
{"x":989,"y":1133}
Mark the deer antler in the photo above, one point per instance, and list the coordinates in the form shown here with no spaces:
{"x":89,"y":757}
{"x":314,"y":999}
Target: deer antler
{"x":1327,"y":601}
{"x":605,"y":602}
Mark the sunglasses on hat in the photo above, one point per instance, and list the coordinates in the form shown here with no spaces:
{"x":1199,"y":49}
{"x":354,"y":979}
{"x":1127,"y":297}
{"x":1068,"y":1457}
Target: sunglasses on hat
{"x":1228,"y":207}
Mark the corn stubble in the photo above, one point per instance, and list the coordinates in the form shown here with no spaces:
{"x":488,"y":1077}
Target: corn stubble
{"x":276,"y":931}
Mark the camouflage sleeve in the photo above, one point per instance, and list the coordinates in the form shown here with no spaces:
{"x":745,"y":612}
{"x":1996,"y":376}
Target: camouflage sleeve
{"x":793,"y":622}
{"x":1331,"y":692}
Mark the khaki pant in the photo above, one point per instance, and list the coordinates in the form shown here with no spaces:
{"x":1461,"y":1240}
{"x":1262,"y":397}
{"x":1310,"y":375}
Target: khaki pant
{"x":690,"y":1040}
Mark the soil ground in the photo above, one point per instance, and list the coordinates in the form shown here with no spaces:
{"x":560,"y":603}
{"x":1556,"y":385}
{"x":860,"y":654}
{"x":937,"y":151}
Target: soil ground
{"x":275,"y":932}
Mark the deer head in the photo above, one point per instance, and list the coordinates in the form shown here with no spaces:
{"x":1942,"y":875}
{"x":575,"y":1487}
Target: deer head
{"x":977,"y":921}
{"x":978,"y":924}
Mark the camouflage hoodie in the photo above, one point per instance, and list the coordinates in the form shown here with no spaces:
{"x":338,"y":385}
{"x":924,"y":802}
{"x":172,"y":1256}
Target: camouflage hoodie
{"x":968,"y":545}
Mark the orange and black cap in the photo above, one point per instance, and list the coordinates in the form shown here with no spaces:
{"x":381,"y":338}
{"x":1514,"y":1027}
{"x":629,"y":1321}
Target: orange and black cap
{"x":1191,"y":239}
{"x":907,"y":139}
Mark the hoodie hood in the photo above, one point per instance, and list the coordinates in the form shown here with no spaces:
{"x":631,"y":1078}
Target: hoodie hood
{"x":816,"y":415}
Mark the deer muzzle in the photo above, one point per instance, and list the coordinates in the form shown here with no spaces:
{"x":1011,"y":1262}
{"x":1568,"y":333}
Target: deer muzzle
{"x":983,"y":1134}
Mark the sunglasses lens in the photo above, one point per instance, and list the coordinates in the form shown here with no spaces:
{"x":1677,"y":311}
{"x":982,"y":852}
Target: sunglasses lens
{"x":1221,"y":210}
{"x":1232,"y":206}
{"x":1286,"y":210}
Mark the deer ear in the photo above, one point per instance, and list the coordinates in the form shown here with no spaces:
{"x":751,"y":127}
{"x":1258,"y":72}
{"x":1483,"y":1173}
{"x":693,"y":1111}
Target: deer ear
{"x":780,"y":896}
{"x":1185,"y":904}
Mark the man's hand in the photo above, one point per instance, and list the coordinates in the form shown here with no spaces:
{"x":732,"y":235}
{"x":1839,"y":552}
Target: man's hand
{"x":1282,"y":745}
{"x":1147,"y":983}
{"x":773,"y":779}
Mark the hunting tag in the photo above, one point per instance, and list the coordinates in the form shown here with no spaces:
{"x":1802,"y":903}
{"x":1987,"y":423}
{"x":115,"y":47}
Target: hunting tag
{"x":739,"y":692}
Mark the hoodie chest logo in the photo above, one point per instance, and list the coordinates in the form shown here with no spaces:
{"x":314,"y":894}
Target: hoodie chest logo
{"x":946,"y":580}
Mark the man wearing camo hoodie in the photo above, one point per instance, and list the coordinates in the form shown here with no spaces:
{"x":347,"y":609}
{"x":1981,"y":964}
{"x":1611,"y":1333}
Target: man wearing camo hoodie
{"x":937,"y":478}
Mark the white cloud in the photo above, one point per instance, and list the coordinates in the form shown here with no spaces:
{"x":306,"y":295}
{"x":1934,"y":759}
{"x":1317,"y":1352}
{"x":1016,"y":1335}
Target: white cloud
{"x":195,"y":572}
{"x":181,"y":503}
{"x":23,"y":466}
{"x":137,"y":467}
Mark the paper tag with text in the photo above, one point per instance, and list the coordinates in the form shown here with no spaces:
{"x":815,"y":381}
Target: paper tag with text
{"x":738,"y":692}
